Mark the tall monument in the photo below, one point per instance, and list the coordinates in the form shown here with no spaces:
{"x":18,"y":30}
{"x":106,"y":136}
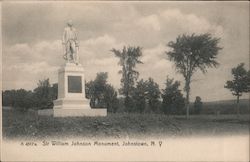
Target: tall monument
{"x":71,"y":83}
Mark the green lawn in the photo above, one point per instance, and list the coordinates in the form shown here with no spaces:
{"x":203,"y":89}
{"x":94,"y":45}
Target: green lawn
{"x":30,"y":125}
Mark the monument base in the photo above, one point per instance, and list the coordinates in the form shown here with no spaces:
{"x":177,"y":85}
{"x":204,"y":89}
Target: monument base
{"x":71,"y":95}
{"x":72,"y":112}
{"x":71,"y":103}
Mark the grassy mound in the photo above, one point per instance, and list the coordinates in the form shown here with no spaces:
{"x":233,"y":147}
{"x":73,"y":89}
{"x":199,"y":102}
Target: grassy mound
{"x":30,"y":125}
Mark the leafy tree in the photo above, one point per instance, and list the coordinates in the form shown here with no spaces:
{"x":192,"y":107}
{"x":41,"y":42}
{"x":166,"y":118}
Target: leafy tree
{"x":146,"y":94}
{"x":102,"y":94}
{"x":8,"y":97}
{"x":153,"y":95}
{"x":240,"y":82}
{"x":173,"y":100}
{"x":197,"y":105}
{"x":42,"y":89}
{"x":191,"y":53}
{"x":54,"y":91}
{"x":110,"y":98}
{"x":128,"y":59}
{"x":96,"y":89}
{"x":90,"y":92}
{"x":44,"y":95}
{"x":20,"y":99}
{"x":139,"y":96}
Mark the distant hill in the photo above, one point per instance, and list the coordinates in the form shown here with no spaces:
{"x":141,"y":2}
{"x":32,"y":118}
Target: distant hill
{"x":224,"y":107}
{"x":242,"y":101}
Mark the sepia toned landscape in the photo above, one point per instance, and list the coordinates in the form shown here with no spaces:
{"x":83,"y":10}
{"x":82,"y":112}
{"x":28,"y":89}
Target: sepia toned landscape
{"x":125,"y":81}
{"x":176,"y":71}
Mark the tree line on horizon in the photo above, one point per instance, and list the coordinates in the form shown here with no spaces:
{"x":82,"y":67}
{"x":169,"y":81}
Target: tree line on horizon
{"x":146,"y":98}
{"x":189,"y":53}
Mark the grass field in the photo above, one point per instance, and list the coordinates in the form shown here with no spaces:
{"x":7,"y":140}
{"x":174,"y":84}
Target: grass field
{"x":31,"y":126}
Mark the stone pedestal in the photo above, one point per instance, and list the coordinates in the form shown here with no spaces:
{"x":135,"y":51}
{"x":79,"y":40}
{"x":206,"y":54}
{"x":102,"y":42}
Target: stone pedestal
{"x":71,"y":94}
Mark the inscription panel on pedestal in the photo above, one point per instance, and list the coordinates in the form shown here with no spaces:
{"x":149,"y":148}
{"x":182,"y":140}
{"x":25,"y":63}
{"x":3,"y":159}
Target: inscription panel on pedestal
{"x":74,"y":84}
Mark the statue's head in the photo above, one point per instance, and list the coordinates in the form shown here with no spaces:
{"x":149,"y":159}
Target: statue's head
{"x":70,"y":23}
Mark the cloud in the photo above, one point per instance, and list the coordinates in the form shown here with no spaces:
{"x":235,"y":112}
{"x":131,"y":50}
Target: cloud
{"x":42,"y":51}
{"x":156,"y":58}
{"x":42,"y":59}
{"x":153,"y":53}
{"x":34,"y":68}
{"x":156,"y":65}
{"x":150,"y":22}
{"x":109,"y":65}
{"x":18,"y":53}
{"x":99,"y":46}
{"x":189,"y":23}
{"x":162,"y":26}
{"x":97,"y":57}
{"x":105,"y":39}
{"x":24,"y":64}
{"x":102,"y":62}
{"x":26,"y":75}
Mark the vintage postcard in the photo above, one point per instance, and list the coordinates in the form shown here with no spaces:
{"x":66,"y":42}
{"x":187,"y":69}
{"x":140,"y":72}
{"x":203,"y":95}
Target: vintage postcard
{"x":125,"y":81}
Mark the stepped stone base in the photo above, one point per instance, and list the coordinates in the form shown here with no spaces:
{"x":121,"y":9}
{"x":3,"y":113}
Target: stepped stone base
{"x":72,"y":112}
{"x":71,"y":103}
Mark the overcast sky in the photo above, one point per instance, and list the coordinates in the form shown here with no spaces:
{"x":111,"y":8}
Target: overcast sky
{"x":32,"y":32}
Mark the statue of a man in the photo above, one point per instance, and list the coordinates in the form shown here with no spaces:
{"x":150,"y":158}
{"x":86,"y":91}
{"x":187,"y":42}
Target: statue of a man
{"x":70,"y":43}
